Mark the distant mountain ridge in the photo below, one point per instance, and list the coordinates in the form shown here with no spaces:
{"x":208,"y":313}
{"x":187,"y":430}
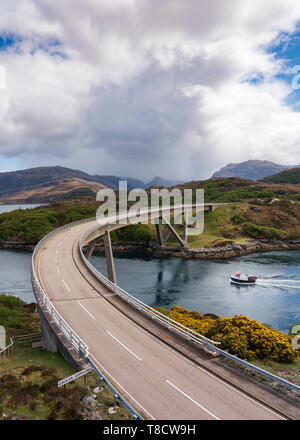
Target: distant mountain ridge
{"x":252,"y":169}
{"x":159,"y":181}
{"x":56,"y":183}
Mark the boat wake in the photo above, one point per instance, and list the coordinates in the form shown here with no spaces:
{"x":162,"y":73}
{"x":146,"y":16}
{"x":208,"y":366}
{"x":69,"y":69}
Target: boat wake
{"x":278,"y":282}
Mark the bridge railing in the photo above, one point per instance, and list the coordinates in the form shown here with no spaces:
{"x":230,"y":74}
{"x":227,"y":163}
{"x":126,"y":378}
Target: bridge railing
{"x":117,"y":395}
{"x":77,"y":343}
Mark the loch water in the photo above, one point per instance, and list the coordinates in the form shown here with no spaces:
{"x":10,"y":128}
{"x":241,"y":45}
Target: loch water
{"x":201,"y":285}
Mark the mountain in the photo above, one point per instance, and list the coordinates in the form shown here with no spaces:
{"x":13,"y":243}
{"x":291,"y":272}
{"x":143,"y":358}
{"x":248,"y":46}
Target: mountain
{"x":159,"y":181}
{"x":291,"y":176}
{"x":251,"y":169}
{"x":55,"y":183}
{"x":45,"y":184}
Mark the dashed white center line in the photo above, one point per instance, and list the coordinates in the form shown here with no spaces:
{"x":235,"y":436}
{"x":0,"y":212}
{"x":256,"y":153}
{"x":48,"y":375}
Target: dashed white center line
{"x":85,"y":309}
{"x":58,"y":269}
{"x":124,"y":346}
{"x":192,"y":400}
{"x":67,"y":287}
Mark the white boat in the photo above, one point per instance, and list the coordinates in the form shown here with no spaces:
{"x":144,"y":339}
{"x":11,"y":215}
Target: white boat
{"x":243,"y":279}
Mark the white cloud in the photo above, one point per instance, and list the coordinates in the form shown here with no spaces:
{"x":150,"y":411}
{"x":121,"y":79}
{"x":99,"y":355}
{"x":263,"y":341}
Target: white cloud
{"x":146,"y":88}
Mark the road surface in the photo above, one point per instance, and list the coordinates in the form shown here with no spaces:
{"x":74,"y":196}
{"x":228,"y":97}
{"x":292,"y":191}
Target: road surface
{"x":158,"y":381}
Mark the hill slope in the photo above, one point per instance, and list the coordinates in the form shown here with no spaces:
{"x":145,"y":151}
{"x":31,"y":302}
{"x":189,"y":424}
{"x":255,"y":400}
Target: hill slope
{"x":291,"y":176}
{"x":45,"y":184}
{"x":251,"y":169}
{"x":48,"y":184}
{"x":234,"y":189}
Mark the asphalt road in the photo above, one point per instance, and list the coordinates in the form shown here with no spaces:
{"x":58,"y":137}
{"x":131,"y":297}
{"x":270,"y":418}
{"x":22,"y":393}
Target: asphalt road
{"x":159,"y":382}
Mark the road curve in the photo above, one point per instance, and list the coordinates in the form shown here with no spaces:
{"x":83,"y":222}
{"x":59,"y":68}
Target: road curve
{"x":158,"y":381}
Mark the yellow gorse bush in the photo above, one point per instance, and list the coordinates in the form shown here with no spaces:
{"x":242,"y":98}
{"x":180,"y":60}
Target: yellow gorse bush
{"x":240,"y":335}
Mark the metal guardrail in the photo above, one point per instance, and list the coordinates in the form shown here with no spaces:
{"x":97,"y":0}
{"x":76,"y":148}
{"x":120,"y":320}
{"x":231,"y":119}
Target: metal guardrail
{"x":78,"y":344}
{"x":117,"y":395}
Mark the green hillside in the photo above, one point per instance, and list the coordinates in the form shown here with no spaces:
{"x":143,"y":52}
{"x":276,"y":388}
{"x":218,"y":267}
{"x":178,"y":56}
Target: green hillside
{"x":289,"y":176}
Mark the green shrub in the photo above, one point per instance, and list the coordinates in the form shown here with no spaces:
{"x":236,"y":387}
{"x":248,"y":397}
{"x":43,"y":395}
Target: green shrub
{"x":237,"y":219}
{"x":31,"y":225}
{"x":135,"y":233}
{"x":256,"y":231}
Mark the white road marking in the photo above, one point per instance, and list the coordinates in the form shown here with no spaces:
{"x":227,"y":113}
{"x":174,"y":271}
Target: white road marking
{"x":192,"y":400}
{"x":240,"y":392}
{"x":119,"y":385}
{"x":67,"y":287}
{"x":58,"y":269}
{"x":85,"y":309}
{"x":126,"y":348}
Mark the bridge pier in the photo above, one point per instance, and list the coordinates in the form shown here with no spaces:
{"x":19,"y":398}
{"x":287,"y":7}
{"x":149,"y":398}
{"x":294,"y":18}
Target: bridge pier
{"x":90,"y":249}
{"x":162,"y":240}
{"x":110,"y":264}
{"x":53,"y":340}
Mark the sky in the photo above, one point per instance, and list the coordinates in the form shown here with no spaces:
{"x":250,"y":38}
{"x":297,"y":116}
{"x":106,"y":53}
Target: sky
{"x":143,"y":88}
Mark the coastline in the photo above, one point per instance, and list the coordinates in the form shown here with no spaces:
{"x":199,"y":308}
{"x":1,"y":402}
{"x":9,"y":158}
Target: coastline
{"x":217,"y":253}
{"x":152,"y":249}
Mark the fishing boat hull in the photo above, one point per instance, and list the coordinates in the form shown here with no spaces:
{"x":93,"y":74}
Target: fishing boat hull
{"x":241,"y":282}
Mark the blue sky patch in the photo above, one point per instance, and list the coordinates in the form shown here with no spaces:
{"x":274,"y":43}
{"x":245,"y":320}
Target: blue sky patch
{"x":8,"y":41}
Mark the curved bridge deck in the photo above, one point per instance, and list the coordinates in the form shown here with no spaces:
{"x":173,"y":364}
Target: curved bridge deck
{"x":158,"y":381}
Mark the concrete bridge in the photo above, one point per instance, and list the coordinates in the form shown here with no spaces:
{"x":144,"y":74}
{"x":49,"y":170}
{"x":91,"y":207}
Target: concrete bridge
{"x":164,"y":370}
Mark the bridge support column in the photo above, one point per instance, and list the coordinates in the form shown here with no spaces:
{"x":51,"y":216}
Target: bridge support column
{"x":110,"y":264}
{"x":90,"y":249}
{"x":173,"y":231}
{"x":159,"y":234}
{"x":169,"y":233}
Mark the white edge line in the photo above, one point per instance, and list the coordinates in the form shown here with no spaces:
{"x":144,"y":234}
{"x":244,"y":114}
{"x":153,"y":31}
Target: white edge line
{"x":124,"y":346}
{"x":192,"y":400}
{"x":119,"y":385}
{"x":85,"y":309}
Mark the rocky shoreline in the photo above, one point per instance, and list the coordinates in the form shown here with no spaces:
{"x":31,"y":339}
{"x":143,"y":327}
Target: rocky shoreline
{"x":217,"y":253}
{"x":17,"y":245}
{"x":152,"y":249}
